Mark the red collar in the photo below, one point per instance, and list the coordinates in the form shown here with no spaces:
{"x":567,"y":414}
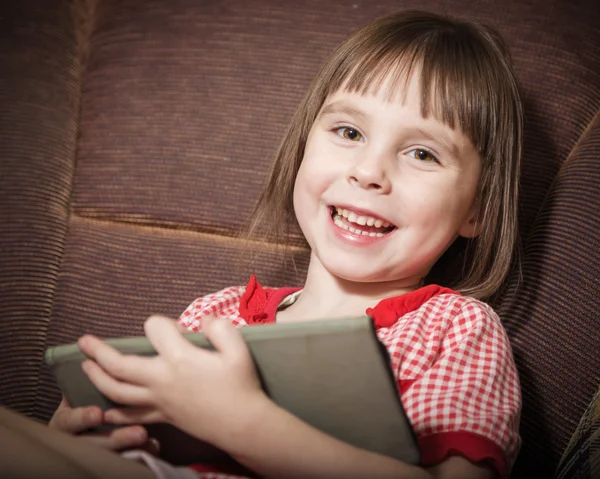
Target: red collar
{"x":258,"y":305}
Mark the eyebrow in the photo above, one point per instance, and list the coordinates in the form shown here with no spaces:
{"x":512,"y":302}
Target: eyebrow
{"x":440,"y":138}
{"x":337,"y":108}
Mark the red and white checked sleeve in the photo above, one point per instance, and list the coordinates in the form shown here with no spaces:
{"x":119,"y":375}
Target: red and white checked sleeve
{"x":223,"y":304}
{"x":458,"y":381}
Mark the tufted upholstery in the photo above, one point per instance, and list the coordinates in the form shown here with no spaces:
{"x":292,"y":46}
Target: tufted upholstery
{"x":135,"y":136}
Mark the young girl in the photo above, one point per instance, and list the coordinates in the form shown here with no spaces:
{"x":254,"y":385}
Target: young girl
{"x":408,"y":138}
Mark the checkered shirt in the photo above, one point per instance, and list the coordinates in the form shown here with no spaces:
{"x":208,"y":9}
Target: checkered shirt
{"x":455,"y":371}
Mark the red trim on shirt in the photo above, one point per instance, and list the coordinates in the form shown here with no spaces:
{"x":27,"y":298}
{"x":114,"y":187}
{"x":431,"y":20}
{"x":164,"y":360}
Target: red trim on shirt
{"x":389,"y":310}
{"x":434,"y":450}
{"x":477,"y":449}
{"x":259,"y":305}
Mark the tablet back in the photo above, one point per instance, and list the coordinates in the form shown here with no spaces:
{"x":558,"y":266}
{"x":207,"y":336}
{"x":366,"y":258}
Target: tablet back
{"x":333,"y":374}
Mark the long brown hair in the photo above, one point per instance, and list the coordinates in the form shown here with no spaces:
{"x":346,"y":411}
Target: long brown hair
{"x":467,"y":82}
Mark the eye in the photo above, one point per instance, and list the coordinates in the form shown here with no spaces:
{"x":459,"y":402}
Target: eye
{"x":348,"y":133}
{"x":422,"y":154}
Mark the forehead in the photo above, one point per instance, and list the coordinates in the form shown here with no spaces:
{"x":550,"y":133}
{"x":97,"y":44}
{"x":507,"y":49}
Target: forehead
{"x":402,"y":82}
{"x":386,"y":93}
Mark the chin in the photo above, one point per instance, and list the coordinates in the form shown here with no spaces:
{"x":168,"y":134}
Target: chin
{"x":370,"y":273}
{"x":357,"y":274}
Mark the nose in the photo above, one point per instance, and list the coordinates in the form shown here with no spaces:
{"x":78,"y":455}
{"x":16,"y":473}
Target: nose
{"x":370,"y":172}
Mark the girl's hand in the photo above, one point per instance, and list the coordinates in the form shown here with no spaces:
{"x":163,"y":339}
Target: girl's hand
{"x":209,"y":394}
{"x":78,"y":420}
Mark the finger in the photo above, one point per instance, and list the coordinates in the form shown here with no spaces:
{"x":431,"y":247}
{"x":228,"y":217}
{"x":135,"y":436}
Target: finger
{"x":75,"y":420}
{"x":182,"y":328}
{"x":164,"y":335}
{"x":207,"y":321}
{"x":118,"y":391}
{"x":226,"y":339}
{"x":121,"y":438}
{"x":64,"y":404}
{"x":134,"y":415}
{"x":129,"y":368}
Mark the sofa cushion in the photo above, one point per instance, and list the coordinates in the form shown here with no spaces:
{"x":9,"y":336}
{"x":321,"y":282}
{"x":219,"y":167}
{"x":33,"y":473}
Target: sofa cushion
{"x":581,"y":459}
{"x":551,"y":310}
{"x":41,"y":65}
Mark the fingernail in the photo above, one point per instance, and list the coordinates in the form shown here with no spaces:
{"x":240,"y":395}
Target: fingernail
{"x":155,"y":443}
{"x":92,"y":416}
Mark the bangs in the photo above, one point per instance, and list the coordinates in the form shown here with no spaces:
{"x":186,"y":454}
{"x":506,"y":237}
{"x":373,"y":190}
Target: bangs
{"x":456,"y":87}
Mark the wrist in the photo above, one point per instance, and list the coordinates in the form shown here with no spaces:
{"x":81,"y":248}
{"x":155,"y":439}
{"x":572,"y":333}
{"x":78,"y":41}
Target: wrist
{"x":241,"y":427}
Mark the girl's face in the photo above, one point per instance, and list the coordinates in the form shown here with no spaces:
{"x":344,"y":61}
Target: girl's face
{"x":381,"y":191}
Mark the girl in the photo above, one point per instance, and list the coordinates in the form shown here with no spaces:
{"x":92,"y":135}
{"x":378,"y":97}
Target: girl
{"x":408,"y":139}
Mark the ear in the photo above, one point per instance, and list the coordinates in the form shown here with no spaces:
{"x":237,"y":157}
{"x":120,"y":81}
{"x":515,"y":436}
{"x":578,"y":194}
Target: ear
{"x":472,"y":226}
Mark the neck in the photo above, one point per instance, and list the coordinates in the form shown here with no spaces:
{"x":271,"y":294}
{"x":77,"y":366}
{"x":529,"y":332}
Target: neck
{"x":325,"y":295}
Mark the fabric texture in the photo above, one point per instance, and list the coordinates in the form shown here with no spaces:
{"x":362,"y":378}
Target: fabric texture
{"x":41,"y":70}
{"x":450,"y":356}
{"x":581,"y":459}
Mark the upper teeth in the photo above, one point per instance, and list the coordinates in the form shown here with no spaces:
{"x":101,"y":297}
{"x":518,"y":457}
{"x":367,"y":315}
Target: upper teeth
{"x":352,"y":217}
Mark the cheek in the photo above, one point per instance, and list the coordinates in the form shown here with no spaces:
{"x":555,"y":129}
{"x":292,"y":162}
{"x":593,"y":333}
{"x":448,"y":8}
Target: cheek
{"x":312,"y":180}
{"x":435,"y":205}
{"x":305,"y":203}
{"x":304,"y":195}
{"x":297,"y":195}
{"x":300,"y":184}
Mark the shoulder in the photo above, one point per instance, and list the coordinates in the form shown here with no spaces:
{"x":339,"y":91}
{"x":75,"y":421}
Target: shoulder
{"x":459,"y":307}
{"x":447,"y":317}
{"x":224,"y":304}
{"x":471,"y":333}
{"x":464,"y":315}
{"x":453,"y":317}
{"x":446,"y":331}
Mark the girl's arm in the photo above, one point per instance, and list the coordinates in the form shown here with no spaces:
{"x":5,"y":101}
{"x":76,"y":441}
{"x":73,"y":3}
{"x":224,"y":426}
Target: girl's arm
{"x":275,"y":443}
{"x":216,"y":397}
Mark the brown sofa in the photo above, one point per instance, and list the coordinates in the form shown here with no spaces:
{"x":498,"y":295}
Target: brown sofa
{"x":135,"y":136}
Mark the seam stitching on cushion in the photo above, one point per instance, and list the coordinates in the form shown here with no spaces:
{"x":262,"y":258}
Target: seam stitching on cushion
{"x":82,"y":16}
{"x":174,"y":229}
{"x":567,"y":161}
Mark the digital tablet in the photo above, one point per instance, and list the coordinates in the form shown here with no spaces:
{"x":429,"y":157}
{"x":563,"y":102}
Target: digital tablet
{"x":333,"y":374}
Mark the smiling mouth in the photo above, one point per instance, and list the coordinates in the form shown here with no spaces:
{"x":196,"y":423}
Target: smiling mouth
{"x":360,"y":224}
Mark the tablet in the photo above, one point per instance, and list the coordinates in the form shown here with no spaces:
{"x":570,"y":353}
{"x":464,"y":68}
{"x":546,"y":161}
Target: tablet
{"x":333,"y":374}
